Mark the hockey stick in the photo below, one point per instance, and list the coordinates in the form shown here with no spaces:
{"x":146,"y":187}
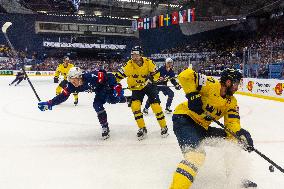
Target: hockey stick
{"x":253,"y":149}
{"x":143,"y":85}
{"x":165,"y":86}
{"x":154,"y":83}
{"x":4,"y":30}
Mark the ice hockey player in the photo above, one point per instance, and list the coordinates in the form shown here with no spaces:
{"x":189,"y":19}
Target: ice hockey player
{"x":166,"y":73}
{"x":19,"y":78}
{"x":63,"y":69}
{"x":141,"y":73}
{"x":207,"y":98}
{"x":104,"y":86}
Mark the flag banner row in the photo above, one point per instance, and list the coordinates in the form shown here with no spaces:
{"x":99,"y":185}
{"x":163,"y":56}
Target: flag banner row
{"x":177,"y":17}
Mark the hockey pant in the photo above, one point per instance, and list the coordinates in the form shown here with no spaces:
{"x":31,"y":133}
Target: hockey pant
{"x":137,"y":99}
{"x":167,"y":92}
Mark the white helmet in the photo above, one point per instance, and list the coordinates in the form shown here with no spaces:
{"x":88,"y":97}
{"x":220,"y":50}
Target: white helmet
{"x":169,"y":60}
{"x":74,"y":72}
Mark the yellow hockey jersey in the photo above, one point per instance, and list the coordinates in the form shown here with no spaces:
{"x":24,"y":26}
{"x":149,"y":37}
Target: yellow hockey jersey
{"x":62,"y":70}
{"x":213,"y":103}
{"x":137,"y":75}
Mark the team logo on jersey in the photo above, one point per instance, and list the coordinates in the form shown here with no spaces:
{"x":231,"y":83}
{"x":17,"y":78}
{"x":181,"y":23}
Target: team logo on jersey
{"x":250,"y":85}
{"x":211,"y":109}
{"x":279,"y":88}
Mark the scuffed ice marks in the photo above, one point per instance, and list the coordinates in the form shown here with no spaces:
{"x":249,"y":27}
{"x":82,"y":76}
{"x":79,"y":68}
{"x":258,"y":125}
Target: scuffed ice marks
{"x":226,"y":166}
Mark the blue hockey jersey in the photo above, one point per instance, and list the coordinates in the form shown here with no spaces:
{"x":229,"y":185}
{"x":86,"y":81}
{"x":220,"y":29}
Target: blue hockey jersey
{"x":166,"y":75}
{"x":91,"y":82}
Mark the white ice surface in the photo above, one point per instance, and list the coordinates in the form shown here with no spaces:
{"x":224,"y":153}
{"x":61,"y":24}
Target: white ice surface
{"x":62,"y":149}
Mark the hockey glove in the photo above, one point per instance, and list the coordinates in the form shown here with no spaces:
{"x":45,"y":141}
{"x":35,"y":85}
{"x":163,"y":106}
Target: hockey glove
{"x":246,"y":140}
{"x":117,"y":95}
{"x":177,"y":87}
{"x":149,"y":79}
{"x":45,"y":106}
{"x":56,"y":80}
{"x":194,"y":102}
{"x":161,"y":79}
{"x":118,"y":91}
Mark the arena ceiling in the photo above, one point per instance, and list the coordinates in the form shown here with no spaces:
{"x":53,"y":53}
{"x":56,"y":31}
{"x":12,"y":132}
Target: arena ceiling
{"x":138,"y":8}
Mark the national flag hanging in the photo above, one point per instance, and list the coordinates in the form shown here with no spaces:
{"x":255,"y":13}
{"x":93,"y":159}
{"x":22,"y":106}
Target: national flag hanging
{"x":167,"y":20}
{"x":134,"y":25}
{"x":182,"y":16}
{"x":146,"y":23}
{"x":174,"y":18}
{"x":140,"y":24}
{"x":154,"y":22}
{"x":161,"y":20}
{"x":191,"y":15}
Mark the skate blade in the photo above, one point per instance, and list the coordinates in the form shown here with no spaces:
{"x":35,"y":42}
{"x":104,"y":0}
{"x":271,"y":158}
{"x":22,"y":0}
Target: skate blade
{"x":142,"y":137}
{"x":165,"y":135}
{"x":105,"y":137}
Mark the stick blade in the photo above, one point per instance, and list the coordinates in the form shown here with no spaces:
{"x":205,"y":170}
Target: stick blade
{"x":6,"y":26}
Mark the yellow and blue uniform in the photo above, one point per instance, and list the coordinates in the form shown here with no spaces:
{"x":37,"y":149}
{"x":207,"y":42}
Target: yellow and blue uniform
{"x":215,"y":105}
{"x":191,"y":128}
{"x":62,"y":70}
{"x":138,"y":82}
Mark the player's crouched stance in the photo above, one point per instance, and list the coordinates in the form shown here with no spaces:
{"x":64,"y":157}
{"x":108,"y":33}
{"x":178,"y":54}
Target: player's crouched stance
{"x":207,"y":98}
{"x":103,"y":84}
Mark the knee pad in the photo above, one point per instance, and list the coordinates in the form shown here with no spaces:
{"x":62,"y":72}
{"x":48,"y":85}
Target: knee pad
{"x":102,"y":116}
{"x":135,"y":105}
{"x":98,"y":107}
{"x":156,"y":108}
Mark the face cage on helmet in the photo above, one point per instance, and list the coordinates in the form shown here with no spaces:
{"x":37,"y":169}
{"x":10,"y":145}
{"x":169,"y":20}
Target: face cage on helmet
{"x":75,"y":76}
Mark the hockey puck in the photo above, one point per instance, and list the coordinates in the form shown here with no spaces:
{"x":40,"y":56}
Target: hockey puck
{"x":271,"y":168}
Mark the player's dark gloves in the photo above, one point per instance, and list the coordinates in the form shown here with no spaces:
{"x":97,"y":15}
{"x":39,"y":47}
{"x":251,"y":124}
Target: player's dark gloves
{"x":246,"y":140}
{"x":177,"y":87}
{"x":195,"y":102}
{"x":56,"y":80}
{"x":149,"y":79}
{"x":118,"y":91}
